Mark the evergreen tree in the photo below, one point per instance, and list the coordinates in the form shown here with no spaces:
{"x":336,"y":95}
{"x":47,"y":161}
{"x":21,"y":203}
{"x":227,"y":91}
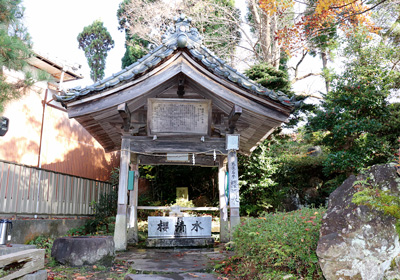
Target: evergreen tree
{"x":15,"y":48}
{"x":356,"y":121}
{"x":96,"y":41}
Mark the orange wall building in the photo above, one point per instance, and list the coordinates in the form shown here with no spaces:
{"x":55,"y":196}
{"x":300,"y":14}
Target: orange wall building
{"x":40,"y":133}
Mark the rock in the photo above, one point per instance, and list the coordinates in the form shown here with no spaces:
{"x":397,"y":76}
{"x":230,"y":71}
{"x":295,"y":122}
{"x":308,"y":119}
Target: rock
{"x":355,"y":241}
{"x":38,"y":275}
{"x":84,"y":250}
{"x":314,"y":151}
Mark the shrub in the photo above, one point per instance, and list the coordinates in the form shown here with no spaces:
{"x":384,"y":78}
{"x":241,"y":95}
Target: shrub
{"x":43,"y":242}
{"x":277,"y":244}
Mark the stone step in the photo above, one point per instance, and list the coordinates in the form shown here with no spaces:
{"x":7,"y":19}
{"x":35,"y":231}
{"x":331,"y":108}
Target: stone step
{"x":173,"y":276}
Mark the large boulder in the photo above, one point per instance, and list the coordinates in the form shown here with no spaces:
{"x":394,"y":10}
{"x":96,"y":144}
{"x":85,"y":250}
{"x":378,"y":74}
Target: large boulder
{"x":355,"y":241}
{"x":84,"y":250}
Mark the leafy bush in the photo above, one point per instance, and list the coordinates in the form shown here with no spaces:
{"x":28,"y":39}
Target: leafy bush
{"x":43,"y":242}
{"x":103,"y":222}
{"x":277,"y":244}
{"x":103,"y":210}
{"x":279,"y":170}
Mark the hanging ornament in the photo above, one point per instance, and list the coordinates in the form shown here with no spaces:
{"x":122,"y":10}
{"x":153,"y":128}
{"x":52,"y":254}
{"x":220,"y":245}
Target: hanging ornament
{"x":194,"y":160}
{"x":215,"y":155}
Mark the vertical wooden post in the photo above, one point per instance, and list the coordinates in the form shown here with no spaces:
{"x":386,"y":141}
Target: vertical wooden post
{"x":120,"y":233}
{"x":234,"y":202}
{"x":223,"y":208}
{"x":133,"y":203}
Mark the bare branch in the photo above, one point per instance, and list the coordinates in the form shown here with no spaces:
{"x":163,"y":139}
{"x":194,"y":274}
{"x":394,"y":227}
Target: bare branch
{"x":296,"y":79}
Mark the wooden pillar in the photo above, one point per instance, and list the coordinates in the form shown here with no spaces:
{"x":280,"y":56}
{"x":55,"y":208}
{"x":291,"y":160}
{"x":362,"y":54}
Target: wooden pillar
{"x":133,"y":204}
{"x":120,"y":233}
{"x":234,"y":202}
{"x":223,"y":208}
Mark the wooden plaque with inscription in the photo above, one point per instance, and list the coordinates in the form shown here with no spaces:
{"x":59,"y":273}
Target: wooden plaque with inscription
{"x":173,"y":116}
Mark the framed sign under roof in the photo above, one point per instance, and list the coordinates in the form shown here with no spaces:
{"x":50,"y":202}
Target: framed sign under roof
{"x":176,"y":116}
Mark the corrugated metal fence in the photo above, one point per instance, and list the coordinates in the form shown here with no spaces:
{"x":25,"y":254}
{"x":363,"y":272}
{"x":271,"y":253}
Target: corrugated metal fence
{"x":34,"y":191}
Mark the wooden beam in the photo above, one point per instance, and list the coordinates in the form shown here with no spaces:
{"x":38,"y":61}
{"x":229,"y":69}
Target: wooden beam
{"x":234,"y":117}
{"x":120,"y":232}
{"x":234,"y":200}
{"x":223,"y":200}
{"x":200,"y":160}
{"x":181,"y":86}
{"x":168,"y":208}
{"x":30,"y":261}
{"x":143,"y":144}
{"x":125,"y":114}
{"x":133,"y":196}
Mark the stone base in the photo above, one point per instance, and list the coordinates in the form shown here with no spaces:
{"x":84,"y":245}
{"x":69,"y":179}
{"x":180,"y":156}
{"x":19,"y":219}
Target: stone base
{"x":84,"y":250}
{"x":180,"y":242}
{"x":4,"y":250}
{"x":38,"y":275}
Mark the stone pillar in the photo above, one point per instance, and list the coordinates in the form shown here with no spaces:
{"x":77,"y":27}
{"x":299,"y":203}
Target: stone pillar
{"x":120,"y":233}
{"x":234,"y":202}
{"x":223,"y":208}
{"x":133,"y":203}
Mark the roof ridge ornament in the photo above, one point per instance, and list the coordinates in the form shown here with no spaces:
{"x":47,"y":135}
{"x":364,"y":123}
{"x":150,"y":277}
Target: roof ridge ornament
{"x":182,"y":35}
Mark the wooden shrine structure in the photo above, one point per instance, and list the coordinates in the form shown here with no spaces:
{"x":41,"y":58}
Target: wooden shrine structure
{"x":180,"y":104}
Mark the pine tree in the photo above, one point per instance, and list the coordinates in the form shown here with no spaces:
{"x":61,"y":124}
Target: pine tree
{"x":15,"y":48}
{"x":96,"y":41}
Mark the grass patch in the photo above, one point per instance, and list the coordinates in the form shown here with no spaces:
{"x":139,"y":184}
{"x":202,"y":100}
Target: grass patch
{"x":276,"y":246}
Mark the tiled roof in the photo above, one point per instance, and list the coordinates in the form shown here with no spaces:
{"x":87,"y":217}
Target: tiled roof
{"x":179,"y":36}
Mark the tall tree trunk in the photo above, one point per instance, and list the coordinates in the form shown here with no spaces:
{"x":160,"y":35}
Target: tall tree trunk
{"x":265,"y":37}
{"x":324,"y":57}
{"x":275,"y":49}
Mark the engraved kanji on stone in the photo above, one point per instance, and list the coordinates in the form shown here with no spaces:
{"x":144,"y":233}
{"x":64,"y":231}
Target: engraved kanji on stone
{"x":180,"y":226}
{"x":162,"y":226}
{"x":196,"y":226}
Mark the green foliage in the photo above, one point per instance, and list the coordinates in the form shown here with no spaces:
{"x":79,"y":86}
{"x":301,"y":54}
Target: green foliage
{"x":279,"y":242}
{"x":270,"y":77}
{"x":104,"y":214}
{"x":279,"y":170}
{"x":355,"y":118}
{"x":114,"y":177}
{"x":15,"y":48}
{"x":43,"y":242}
{"x":135,"y":49}
{"x":166,"y":178}
{"x":96,"y":41}
{"x":183,"y":203}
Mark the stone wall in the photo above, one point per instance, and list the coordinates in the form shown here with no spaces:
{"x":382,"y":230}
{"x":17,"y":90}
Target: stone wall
{"x":24,"y":231}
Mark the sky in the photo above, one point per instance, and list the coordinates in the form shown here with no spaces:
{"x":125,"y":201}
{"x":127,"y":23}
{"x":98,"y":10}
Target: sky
{"x":54,"y":26}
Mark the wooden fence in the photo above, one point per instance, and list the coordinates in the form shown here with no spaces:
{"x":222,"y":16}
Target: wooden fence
{"x":29,"y":190}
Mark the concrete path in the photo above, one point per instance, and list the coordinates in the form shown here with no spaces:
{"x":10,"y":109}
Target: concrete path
{"x":172,"y":263}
